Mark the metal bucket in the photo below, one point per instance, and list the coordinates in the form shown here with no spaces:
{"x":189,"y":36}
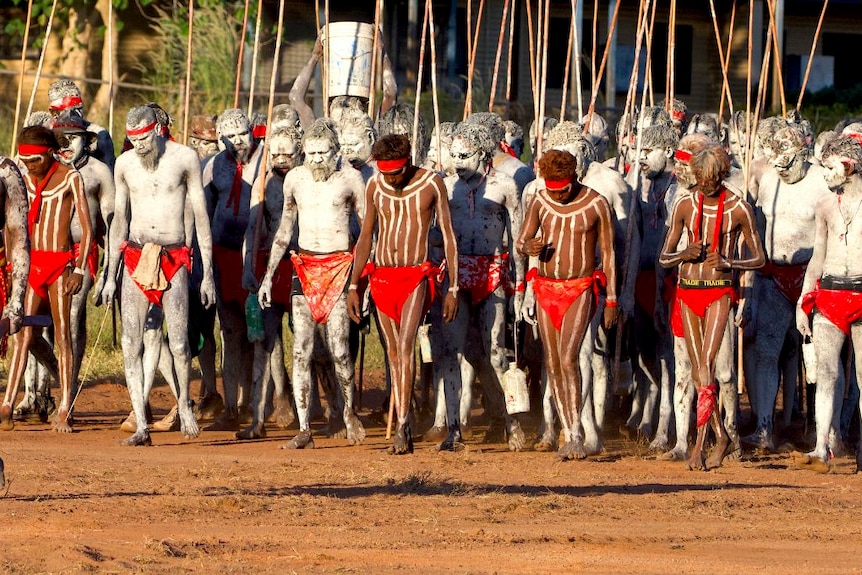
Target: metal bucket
{"x":351,"y":45}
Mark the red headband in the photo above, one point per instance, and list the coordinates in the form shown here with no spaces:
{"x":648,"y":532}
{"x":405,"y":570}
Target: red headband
{"x":32,"y":149}
{"x":678,"y":115}
{"x":258,"y":132}
{"x":682,"y":156}
{"x":61,"y":104}
{"x":855,"y":135}
{"x":557,"y":184}
{"x":139,"y":131}
{"x":391,"y":165}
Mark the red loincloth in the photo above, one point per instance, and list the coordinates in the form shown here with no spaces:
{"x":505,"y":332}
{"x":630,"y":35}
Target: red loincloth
{"x":323,"y":278}
{"x":788,"y":278}
{"x":92,"y":257}
{"x":481,"y":275}
{"x":841,"y":307}
{"x":281,"y":281}
{"x":46,"y":267}
{"x":697,"y":300}
{"x":391,"y":286}
{"x":228,"y":263}
{"x":172,"y":259}
{"x":556,"y":296}
{"x":706,"y":402}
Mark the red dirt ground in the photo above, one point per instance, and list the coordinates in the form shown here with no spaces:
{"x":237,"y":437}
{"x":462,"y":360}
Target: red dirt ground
{"x":85,"y":504}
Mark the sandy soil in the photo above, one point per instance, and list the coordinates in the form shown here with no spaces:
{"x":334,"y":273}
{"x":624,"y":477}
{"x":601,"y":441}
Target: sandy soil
{"x":82,"y":503}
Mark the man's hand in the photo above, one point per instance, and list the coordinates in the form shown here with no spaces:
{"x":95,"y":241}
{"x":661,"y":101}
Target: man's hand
{"x":208,"y":293}
{"x":743,"y":313}
{"x":97,"y":290}
{"x":73,"y":282}
{"x":717,"y":262}
{"x":610,"y":317}
{"x":517,"y":304}
{"x":15,"y":312}
{"x":532,"y":247}
{"x":109,"y":291}
{"x":450,"y":306}
{"x":354,"y":306}
{"x":264,"y":293}
{"x":692,"y":252}
{"x":802,"y":323}
{"x":249,"y":282}
{"x":528,"y":306}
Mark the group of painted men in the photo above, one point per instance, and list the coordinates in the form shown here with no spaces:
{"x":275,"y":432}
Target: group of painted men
{"x":660,"y":250}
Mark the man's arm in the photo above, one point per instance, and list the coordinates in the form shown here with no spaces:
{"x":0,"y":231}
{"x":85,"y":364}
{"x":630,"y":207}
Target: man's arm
{"x":79,"y":196}
{"x":670,"y":257}
{"x":280,"y":243}
{"x":300,"y":87}
{"x":756,"y":256}
{"x":516,"y":220}
{"x":450,"y":245}
{"x":814,"y":271}
{"x":251,"y":239}
{"x":362,"y":252}
{"x":14,"y":192}
{"x":119,"y":232}
{"x":195,"y":197}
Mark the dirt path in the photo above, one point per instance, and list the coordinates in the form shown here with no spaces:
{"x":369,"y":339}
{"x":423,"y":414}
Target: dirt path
{"x":85,"y":504}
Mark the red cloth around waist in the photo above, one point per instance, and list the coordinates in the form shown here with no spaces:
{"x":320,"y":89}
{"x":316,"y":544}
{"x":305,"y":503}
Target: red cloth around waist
{"x":228,"y":263}
{"x":788,"y":278}
{"x":92,"y":256}
{"x":171,"y":260}
{"x":46,"y":267}
{"x":556,"y":296}
{"x":481,"y":275}
{"x":841,"y":307}
{"x":391,"y":286}
{"x":697,"y":300}
{"x":323,"y":278}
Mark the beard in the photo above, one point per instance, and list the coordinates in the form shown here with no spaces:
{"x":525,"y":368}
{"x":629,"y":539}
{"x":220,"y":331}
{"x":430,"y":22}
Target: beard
{"x":322,"y":172}
{"x":150,"y":158}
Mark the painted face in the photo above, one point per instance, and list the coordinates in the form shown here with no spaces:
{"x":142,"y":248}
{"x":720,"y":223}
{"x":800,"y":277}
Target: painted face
{"x":237,"y":138}
{"x":562,"y":195}
{"x":684,"y":175}
{"x":788,"y":158}
{"x":736,"y":143}
{"x":204,"y":148}
{"x":38,"y":164}
{"x":144,"y":144}
{"x":72,"y":147}
{"x":653,"y":161}
{"x":355,"y":146}
{"x":444,"y":163}
{"x":320,"y":158}
{"x":834,"y":172}
{"x":707,"y":186}
{"x":465,"y":157}
{"x":283,"y":153}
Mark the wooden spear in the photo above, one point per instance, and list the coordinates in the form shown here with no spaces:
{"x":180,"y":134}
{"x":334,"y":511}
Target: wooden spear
{"x":777,"y":50}
{"x":628,"y":109}
{"x":110,"y":67}
{"x":534,"y":81}
{"x":327,"y":49}
{"x":240,"y":55}
{"x":187,"y":96}
{"x":432,"y":41}
{"x":41,"y":58}
{"x":595,"y":42}
{"x":509,"y":59}
{"x":568,"y":65}
{"x":578,"y":87}
{"x":503,"y":21}
{"x":598,"y":81}
{"x":468,"y":105}
{"x":725,"y":66}
{"x":648,"y":71}
{"x":374,"y":59}
{"x":811,"y":55}
{"x":15,"y":124}
{"x":255,"y":52}
{"x":543,"y":87}
{"x":725,"y":87}
{"x":671,"y":48}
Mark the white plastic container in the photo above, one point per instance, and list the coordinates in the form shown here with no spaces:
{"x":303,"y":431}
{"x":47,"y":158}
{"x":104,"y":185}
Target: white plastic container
{"x":514,"y":384}
{"x":350,"y":52}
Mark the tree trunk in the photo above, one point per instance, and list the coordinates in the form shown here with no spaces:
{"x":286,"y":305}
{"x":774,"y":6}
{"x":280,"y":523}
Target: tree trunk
{"x":102,"y":99}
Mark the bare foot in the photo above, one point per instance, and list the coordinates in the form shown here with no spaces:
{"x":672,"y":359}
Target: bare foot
{"x":697,"y":462}
{"x":188,"y":424}
{"x":546,"y":442}
{"x":141,"y":438}
{"x":496,"y":432}
{"x":660,"y":443}
{"x":466,"y":432}
{"x":302,"y":440}
{"x":453,"y":441}
{"x":435,"y":434}
{"x":252,"y":432}
{"x":130,"y":424}
{"x":355,"y":431}
{"x":226,"y":422}
{"x":722,"y":449}
{"x":335,"y":427}
{"x":6,"y":423}
{"x":62,"y":424}
{"x":572,"y":450}
{"x":810,"y":462}
{"x":283,"y":412}
{"x":403,"y":441}
{"x":170,"y":422}
{"x":760,"y":441}
{"x":675,"y":454}
{"x":517,"y":439}
{"x":627,"y":432}
{"x":209,"y":407}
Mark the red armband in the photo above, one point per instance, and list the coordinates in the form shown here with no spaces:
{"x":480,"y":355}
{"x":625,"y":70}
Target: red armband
{"x":611,"y":303}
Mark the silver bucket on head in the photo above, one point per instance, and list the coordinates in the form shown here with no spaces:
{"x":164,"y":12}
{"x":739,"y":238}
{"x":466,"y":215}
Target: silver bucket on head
{"x":351,"y":45}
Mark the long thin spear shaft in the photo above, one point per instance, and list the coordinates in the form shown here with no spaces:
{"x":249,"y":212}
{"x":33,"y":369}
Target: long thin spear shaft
{"x":413,"y":140}
{"x":240,"y":55}
{"x":503,"y":21}
{"x":110,"y":67}
{"x":648,"y":71}
{"x":327,"y":49}
{"x":468,"y":105}
{"x":255,"y":52}
{"x":434,"y":74}
{"x":21,"y":78}
{"x":509,"y":59}
{"x":671,"y":45}
{"x":761,"y":94}
{"x":544,"y":85}
{"x":538,"y":120}
{"x":595,"y":42}
{"x":630,"y":105}
{"x":578,"y":87}
{"x":595,"y":93}
{"x":776,"y":50}
{"x":187,"y":97}
{"x":534,"y":81}
{"x":746,"y":167}
{"x":42,"y":58}
{"x":811,"y":56}
{"x":725,"y":87}
{"x":374,"y":51}
{"x":725,"y":66}
{"x":568,"y":65}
